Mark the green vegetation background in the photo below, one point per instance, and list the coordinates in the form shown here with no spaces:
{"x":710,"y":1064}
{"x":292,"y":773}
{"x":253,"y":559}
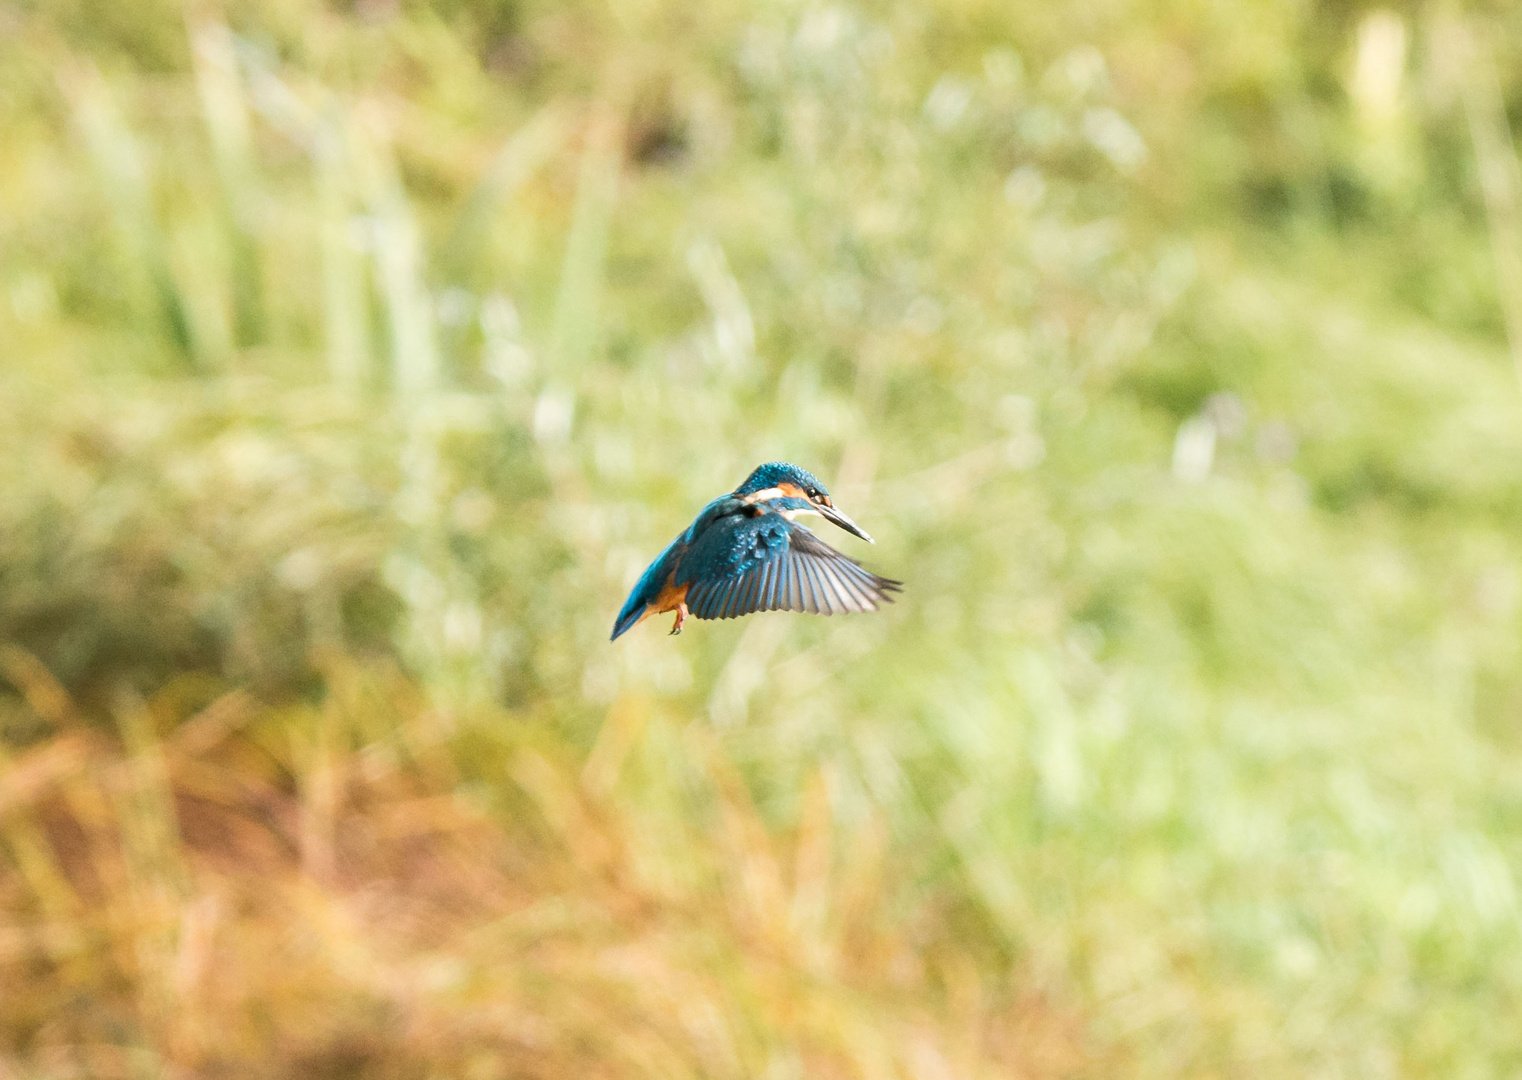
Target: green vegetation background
{"x":354,"y":360}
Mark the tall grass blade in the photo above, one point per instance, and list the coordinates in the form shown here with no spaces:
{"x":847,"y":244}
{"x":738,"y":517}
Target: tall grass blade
{"x":398,"y":253}
{"x":156,"y":875}
{"x":118,"y":161}
{"x":346,"y":303}
{"x":575,"y":328}
{"x":1500,"y":176}
{"x":22,"y":834}
{"x":224,"y":107}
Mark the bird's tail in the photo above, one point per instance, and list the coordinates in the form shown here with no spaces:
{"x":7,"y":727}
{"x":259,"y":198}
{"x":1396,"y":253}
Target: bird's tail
{"x":645,"y":591}
{"x":634,"y":610}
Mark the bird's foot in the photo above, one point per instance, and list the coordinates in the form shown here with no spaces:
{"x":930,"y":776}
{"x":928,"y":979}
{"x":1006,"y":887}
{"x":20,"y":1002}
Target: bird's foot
{"x":681,"y":617}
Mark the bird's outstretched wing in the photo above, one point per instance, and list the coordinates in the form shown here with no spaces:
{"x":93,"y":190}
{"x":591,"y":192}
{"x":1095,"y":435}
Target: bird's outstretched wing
{"x":768,"y":563}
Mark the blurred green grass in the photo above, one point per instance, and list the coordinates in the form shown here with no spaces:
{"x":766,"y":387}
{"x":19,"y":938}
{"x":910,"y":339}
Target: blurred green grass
{"x":357,"y":359}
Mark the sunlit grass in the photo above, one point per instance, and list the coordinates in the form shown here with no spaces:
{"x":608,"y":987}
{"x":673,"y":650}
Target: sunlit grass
{"x":355,"y":365}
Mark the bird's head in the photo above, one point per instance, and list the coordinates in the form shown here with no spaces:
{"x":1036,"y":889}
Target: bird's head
{"x":798,"y":491}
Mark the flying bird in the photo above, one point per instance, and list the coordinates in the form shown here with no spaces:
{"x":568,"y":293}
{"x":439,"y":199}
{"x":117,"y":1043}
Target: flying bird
{"x":745,"y":552}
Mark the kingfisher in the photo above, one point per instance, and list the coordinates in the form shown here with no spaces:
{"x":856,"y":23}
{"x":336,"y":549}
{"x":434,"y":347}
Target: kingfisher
{"x":745,"y":552}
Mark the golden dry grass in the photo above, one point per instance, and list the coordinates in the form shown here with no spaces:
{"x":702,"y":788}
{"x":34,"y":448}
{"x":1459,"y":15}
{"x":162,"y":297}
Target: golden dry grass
{"x":250,"y":905}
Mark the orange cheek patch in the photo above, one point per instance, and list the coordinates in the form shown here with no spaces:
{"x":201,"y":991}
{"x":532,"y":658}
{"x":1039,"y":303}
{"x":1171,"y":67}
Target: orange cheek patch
{"x":792,"y":491}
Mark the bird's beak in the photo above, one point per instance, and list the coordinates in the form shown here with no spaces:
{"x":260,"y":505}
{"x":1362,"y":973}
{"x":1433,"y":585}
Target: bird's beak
{"x":830,"y":513}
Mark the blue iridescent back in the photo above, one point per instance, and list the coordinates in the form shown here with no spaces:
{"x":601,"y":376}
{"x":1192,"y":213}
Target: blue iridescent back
{"x":734,"y":545}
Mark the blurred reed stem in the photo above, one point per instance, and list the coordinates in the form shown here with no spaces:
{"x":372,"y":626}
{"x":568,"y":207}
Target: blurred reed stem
{"x":575,"y":328}
{"x":32,"y":854}
{"x":1500,"y":177}
{"x":158,"y":883}
{"x":118,"y":161}
{"x":321,"y":791}
{"x":346,"y":307}
{"x":397,"y":246}
{"x":225,"y":109}
{"x":22,"y":833}
{"x":150,"y":826}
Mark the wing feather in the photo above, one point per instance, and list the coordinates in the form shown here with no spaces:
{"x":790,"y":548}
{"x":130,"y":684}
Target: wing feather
{"x":767,"y":563}
{"x":822,"y":591}
{"x":833,"y":604}
{"x":829,"y":600}
{"x":817,"y":603}
{"x":714,"y":607}
{"x":750,"y":595}
{"x":806,"y":599}
{"x":732,"y":600}
{"x":852,"y":575}
{"x":848,"y":602}
{"x":847,"y":599}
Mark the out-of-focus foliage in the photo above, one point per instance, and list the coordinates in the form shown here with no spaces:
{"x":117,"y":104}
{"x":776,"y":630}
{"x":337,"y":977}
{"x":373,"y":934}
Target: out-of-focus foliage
{"x":356,"y":360}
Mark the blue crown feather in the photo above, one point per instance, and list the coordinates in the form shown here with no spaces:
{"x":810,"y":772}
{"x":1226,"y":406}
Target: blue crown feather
{"x":778,"y":472}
